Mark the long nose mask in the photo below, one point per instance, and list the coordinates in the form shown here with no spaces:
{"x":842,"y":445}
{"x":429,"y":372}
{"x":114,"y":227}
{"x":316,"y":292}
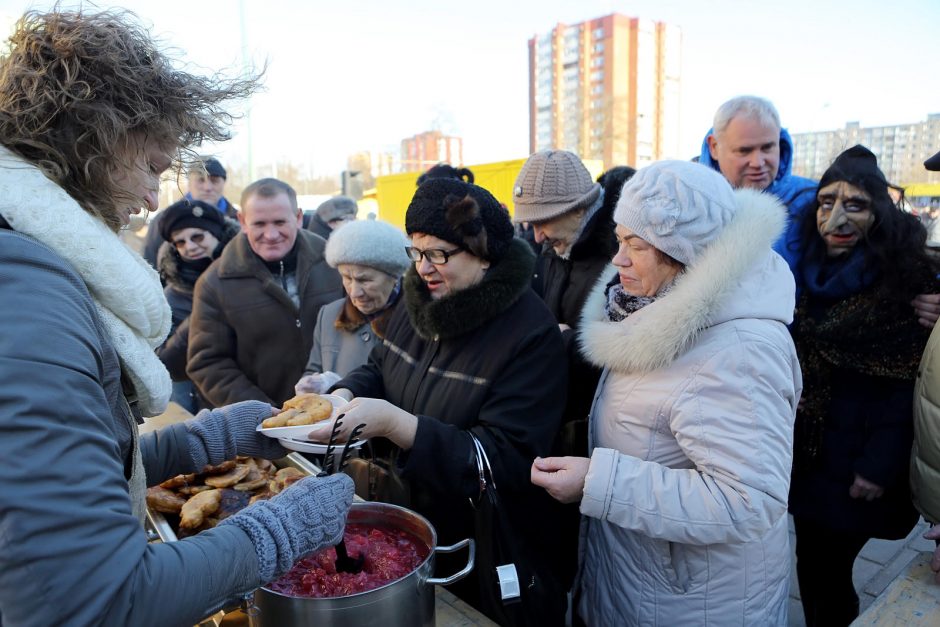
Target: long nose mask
{"x":837,"y":218}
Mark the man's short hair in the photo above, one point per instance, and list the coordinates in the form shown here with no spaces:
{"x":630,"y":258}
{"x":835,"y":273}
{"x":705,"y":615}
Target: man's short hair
{"x":753,"y":107}
{"x":268,"y":188}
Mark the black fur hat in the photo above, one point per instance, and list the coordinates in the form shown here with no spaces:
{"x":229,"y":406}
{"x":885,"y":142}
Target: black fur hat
{"x":463,"y":214}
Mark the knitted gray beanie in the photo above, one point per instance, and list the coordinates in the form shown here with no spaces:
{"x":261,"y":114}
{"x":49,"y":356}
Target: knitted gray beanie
{"x":369,"y":243}
{"x":677,"y":206}
{"x":552,"y":182}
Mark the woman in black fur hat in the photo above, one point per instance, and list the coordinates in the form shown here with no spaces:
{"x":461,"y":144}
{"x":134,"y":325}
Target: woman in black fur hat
{"x":195,"y":233}
{"x":474,"y":352}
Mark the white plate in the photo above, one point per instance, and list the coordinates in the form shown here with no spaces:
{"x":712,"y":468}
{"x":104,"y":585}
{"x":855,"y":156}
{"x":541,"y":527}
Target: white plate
{"x":300,"y":432}
{"x":305,"y":446}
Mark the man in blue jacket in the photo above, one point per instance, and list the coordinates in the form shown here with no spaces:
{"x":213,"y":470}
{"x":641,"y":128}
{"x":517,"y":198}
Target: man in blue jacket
{"x":750,"y":148}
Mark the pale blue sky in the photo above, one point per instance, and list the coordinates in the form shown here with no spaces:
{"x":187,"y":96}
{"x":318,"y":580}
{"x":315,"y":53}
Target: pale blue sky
{"x":362,"y":75}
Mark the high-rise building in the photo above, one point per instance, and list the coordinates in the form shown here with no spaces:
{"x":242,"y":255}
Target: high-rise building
{"x":420,"y":152}
{"x":901,"y":149}
{"x":606,"y":89}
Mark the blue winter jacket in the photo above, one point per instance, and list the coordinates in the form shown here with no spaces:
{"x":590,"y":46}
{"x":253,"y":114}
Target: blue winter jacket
{"x":796,"y":192}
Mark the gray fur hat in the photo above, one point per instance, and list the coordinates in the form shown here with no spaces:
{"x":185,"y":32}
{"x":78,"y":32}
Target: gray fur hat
{"x":369,"y":243}
{"x":337,"y":207}
{"x":677,"y":206}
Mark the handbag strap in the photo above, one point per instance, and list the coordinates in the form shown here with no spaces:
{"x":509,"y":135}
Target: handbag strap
{"x":484,"y":470}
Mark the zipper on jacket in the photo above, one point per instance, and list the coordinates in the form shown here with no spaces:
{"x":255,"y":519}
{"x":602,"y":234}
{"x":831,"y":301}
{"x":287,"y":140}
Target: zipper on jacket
{"x":283,"y":280}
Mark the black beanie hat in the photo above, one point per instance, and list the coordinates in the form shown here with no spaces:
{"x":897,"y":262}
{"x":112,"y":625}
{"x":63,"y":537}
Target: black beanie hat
{"x":463,"y":214}
{"x":857,"y":166}
{"x":191,"y":214}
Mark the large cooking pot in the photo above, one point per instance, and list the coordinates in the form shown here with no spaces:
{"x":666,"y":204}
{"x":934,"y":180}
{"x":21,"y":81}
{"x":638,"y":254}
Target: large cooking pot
{"x":406,"y":602}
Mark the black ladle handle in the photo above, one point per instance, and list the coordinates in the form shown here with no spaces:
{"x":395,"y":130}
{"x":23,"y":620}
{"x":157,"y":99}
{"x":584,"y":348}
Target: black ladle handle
{"x":353,"y":438}
{"x":331,"y":447}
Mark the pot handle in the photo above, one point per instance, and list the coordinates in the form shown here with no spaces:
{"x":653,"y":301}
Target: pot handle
{"x":446,"y":581}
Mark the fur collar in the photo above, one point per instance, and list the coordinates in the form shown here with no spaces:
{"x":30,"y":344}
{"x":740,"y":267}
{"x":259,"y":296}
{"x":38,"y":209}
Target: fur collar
{"x":707,"y":293}
{"x":472,"y":307}
{"x":126,"y":291}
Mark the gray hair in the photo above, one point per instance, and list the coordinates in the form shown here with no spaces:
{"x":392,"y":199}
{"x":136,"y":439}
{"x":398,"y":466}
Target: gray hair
{"x":753,"y":107}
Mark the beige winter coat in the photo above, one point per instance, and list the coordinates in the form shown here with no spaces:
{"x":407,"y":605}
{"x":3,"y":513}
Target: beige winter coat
{"x":685,"y":501}
{"x":925,"y":458}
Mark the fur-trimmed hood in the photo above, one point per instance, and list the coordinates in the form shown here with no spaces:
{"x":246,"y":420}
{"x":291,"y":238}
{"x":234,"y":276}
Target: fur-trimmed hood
{"x":737,"y":276}
{"x":171,"y":266}
{"x":469,"y":308}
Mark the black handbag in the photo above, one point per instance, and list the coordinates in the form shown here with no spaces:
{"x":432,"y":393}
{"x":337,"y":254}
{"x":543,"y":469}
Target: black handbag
{"x":513,"y":589}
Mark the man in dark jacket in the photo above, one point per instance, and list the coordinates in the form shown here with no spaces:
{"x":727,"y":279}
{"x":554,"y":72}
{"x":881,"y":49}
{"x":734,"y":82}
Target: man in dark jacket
{"x":206,"y":182}
{"x":555,"y":194}
{"x":255,"y":308}
{"x":332,"y":214}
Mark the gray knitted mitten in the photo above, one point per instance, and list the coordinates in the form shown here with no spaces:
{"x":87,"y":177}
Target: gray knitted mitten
{"x":220,"y":434}
{"x":306,"y":517}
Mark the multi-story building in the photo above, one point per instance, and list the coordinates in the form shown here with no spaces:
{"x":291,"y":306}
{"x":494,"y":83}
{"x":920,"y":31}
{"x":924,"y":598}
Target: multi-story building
{"x":901,"y":149}
{"x":606,"y":89}
{"x":420,"y":152}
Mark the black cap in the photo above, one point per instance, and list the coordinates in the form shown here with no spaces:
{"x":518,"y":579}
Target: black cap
{"x":191,"y":214}
{"x":211,"y":166}
{"x":933,"y":163}
{"x":857,"y":166}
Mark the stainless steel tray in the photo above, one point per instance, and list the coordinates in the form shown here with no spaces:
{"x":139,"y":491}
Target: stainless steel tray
{"x":159,"y":529}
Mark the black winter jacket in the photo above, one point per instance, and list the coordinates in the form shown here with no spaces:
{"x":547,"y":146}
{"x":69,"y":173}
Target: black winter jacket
{"x":564,"y":285}
{"x":489,"y":360}
{"x":179,"y":280}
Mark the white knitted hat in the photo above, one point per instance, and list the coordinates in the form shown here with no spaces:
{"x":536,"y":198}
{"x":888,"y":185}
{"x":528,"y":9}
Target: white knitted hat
{"x":552,"y":182}
{"x":677,"y":206}
{"x":369,"y":243}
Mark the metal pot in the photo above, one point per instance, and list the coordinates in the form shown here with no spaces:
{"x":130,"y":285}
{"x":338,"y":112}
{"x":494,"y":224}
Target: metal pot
{"x":406,"y":602}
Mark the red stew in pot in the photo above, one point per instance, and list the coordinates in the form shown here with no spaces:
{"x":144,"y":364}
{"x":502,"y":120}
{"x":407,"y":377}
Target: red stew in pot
{"x":390,"y":555}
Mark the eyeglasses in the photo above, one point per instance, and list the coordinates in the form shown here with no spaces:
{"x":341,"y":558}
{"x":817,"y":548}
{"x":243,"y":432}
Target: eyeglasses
{"x":195,"y":238}
{"x":434,"y":255}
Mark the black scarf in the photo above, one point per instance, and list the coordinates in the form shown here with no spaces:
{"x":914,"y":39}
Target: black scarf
{"x":472,"y":307}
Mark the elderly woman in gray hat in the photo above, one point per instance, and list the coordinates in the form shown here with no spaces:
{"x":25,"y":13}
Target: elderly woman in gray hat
{"x":370,"y":257}
{"x":684,"y":495}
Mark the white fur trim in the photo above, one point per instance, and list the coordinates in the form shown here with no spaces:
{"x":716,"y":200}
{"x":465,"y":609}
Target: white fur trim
{"x":654,"y":336}
{"x":126,"y":290}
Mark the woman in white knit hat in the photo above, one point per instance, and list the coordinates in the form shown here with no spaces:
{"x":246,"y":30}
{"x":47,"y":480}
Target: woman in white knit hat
{"x":684,"y":495}
{"x":370,"y":257}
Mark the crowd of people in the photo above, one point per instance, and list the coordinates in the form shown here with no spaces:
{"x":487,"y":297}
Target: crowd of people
{"x":654,"y":368}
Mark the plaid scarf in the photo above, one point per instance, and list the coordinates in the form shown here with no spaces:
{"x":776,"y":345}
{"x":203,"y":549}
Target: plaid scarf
{"x":620,"y":304}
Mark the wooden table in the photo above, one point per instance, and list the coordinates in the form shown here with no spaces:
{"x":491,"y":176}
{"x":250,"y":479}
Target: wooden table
{"x":912,"y":599}
{"x":449,"y":610}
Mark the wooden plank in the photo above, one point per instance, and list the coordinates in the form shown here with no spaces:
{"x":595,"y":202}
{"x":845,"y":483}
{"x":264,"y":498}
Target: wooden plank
{"x":913,"y":599}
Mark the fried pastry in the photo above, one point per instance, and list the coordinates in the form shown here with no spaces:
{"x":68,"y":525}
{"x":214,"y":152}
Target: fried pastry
{"x":230,"y":478}
{"x":197,"y":508}
{"x":163,"y":500}
{"x":303,"y":409}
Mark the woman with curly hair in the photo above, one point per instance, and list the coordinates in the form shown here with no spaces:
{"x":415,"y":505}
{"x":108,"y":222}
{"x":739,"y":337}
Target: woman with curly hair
{"x":91,"y":114}
{"x":864,"y":260}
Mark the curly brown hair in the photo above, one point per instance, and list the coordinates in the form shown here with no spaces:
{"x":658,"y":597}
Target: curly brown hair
{"x":77,"y":88}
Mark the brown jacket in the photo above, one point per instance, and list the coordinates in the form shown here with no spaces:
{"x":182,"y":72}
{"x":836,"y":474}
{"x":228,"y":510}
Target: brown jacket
{"x":247,"y":340}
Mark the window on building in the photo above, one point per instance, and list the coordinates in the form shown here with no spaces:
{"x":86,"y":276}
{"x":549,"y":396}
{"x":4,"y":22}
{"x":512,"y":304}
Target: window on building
{"x":599,"y":46}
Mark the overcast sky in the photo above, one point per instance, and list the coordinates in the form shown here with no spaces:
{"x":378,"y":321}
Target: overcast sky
{"x":361,"y":75}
